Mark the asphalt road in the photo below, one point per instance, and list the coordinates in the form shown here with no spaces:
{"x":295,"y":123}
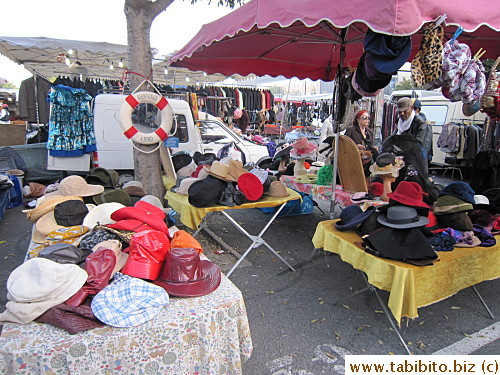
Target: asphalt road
{"x":296,"y":325}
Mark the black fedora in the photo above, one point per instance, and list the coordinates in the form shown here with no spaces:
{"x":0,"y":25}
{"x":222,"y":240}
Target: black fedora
{"x":206,"y":192}
{"x":181,"y":160}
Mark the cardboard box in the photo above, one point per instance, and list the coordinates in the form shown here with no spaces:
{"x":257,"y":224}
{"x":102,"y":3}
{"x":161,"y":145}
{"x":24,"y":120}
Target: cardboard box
{"x":12,"y":134}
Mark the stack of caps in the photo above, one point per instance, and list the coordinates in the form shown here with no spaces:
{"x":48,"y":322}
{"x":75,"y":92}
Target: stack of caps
{"x":455,"y":200}
{"x":383,"y":56}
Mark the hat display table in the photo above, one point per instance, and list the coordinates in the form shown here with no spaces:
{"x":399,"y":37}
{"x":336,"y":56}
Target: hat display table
{"x":198,"y":218}
{"x":204,"y":335}
{"x":411,"y":287}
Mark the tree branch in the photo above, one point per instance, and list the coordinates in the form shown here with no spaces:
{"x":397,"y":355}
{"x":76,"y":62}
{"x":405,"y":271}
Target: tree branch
{"x":159,"y":6}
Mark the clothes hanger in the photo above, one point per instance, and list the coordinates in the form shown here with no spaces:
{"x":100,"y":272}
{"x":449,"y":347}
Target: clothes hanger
{"x":438,"y":21}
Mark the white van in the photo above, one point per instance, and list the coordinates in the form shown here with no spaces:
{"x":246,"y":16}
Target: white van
{"x":439,"y":111}
{"x":115,"y":151}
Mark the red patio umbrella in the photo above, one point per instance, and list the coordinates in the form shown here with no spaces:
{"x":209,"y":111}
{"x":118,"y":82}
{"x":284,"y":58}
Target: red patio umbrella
{"x":297,"y":38}
{"x":311,"y":39}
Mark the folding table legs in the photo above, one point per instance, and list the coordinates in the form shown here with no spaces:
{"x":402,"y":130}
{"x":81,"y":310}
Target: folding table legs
{"x":484,"y":303}
{"x":256,"y":240}
{"x":371,"y":288}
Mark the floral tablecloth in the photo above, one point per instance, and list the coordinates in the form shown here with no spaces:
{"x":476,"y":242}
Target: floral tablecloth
{"x":204,"y":335}
{"x":324,"y":192}
{"x":342,"y":197}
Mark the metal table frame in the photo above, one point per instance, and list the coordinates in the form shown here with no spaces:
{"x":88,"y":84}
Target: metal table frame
{"x":374,"y":290}
{"x":257,"y":240}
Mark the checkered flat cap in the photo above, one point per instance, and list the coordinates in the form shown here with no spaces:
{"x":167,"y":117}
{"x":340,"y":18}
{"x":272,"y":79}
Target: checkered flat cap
{"x":128,"y":302}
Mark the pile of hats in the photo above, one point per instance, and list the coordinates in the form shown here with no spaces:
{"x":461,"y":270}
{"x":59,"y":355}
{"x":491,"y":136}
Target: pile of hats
{"x":394,"y":230}
{"x":58,"y":215}
{"x":469,"y":218}
{"x":407,"y":229}
{"x":87,"y":273}
{"x":383,"y":56}
{"x":121,"y":189}
{"x":226,"y":182}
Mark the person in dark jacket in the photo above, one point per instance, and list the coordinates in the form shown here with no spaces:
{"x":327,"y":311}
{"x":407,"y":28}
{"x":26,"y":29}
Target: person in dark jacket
{"x":360,"y":131}
{"x":362,"y":135}
{"x":409,"y":122}
{"x":417,"y":107}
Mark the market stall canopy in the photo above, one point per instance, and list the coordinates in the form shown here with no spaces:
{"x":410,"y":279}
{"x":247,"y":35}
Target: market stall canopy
{"x":47,"y":57}
{"x":302,"y":39}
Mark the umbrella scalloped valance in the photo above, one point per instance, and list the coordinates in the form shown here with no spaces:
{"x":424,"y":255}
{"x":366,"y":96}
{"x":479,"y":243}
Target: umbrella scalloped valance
{"x":301,"y":39}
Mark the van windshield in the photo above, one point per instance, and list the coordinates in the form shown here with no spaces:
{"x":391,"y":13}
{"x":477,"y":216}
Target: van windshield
{"x":213,"y":131}
{"x":436,"y":114}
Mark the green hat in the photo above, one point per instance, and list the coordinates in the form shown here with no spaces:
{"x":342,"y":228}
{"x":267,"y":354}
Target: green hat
{"x":448,"y":204}
{"x":109,"y":177}
{"x":113,"y":195}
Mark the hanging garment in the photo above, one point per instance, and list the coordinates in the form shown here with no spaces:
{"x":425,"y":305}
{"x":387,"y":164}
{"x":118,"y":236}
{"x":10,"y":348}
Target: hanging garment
{"x":448,"y":139}
{"x":30,"y":99}
{"x":71,"y":124}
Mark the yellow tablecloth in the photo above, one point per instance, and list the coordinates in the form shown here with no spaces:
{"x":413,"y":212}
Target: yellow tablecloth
{"x":192,"y":216}
{"x":204,"y":335}
{"x":411,"y":287}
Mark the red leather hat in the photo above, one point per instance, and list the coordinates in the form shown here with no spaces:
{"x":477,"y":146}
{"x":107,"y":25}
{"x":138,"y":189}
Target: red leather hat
{"x":250,"y":185}
{"x":184,"y":274}
{"x":146,"y":253}
{"x":143,"y":212}
{"x":99,"y":266}
{"x":408,"y":193}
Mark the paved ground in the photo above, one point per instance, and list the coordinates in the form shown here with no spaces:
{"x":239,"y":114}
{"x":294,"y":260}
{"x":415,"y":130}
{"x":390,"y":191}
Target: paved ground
{"x":296,"y":328}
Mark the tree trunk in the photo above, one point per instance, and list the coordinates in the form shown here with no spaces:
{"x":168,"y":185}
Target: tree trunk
{"x":147,"y":164}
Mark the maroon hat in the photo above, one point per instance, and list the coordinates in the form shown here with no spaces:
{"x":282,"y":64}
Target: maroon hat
{"x":250,"y":185}
{"x":408,"y":193}
{"x":184,"y":274}
{"x":143,"y":212}
{"x":146,"y":253}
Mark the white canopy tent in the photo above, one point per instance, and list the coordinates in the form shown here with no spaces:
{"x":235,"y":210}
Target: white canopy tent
{"x":54,"y":57}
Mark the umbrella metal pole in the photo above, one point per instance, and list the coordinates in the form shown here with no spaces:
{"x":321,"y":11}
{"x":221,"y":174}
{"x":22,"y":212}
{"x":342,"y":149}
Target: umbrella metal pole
{"x":285,"y":116}
{"x":336,"y":119}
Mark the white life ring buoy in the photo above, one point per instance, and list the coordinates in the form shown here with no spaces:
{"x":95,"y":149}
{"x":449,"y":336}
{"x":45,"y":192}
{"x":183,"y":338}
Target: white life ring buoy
{"x":131,"y":132}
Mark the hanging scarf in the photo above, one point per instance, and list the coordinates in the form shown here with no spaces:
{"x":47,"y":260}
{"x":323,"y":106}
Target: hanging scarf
{"x":405,"y":125}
